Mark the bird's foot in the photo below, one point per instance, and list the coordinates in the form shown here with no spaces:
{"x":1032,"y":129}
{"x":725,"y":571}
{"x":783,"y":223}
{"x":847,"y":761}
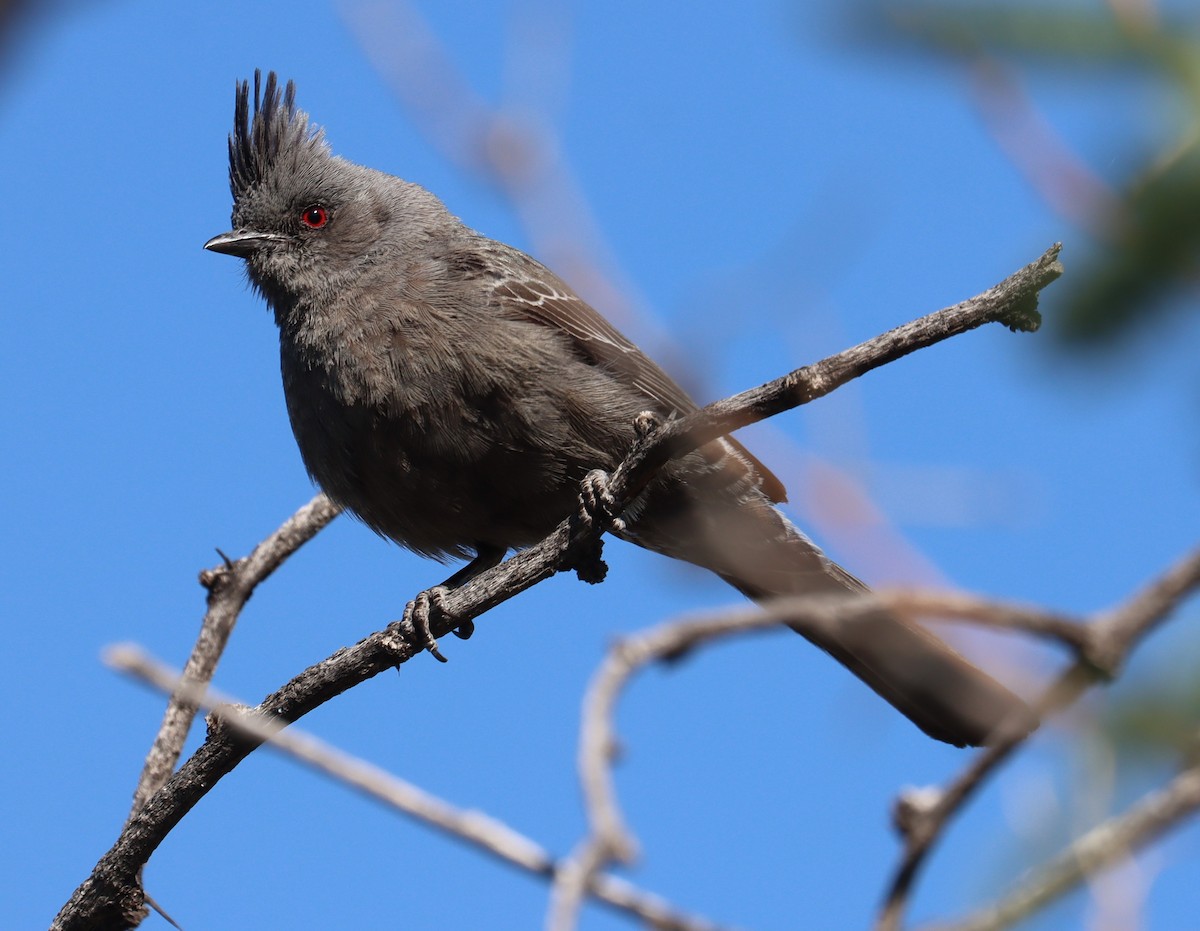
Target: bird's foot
{"x":421,"y":610}
{"x":597,"y":508}
{"x":431,"y":604}
{"x":596,"y":503}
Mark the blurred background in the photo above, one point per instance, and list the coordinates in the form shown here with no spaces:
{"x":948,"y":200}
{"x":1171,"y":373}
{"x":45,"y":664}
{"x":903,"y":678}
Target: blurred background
{"x":743,"y":189}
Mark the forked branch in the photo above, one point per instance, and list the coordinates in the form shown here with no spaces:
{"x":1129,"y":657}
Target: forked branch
{"x":112,"y":898}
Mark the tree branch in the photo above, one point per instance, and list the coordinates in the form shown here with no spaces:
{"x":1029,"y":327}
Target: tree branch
{"x":1107,"y":643}
{"x":608,"y":839}
{"x":1012,"y":302}
{"x":1102,"y":846}
{"x":922,"y":814}
{"x":111,"y":897}
{"x":229,"y":588}
{"x":1058,"y":628}
{"x":473,"y":827}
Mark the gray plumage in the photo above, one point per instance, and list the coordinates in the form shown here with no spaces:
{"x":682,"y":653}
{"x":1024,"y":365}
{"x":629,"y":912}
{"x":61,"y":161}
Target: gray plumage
{"x":452,"y":393}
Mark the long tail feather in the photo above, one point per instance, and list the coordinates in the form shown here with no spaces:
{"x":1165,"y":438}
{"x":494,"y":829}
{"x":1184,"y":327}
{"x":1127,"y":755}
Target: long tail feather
{"x":751,"y":545}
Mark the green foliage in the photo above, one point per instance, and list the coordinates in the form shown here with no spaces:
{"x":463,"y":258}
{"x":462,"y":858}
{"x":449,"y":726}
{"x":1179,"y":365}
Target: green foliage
{"x":1153,"y":248}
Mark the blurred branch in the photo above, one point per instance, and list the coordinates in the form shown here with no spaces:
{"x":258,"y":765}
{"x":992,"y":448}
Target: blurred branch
{"x":517,"y":152}
{"x":475,"y":828}
{"x":1136,"y":14}
{"x":112,"y":898}
{"x":1038,"y":151}
{"x":1100,"y":646}
{"x":1108,"y":641}
{"x":1101,"y":847}
{"x":956,"y":607}
{"x":609,"y":840}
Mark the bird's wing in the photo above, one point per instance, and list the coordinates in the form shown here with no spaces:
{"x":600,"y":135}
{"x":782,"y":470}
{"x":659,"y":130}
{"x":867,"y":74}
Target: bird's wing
{"x":528,"y":289}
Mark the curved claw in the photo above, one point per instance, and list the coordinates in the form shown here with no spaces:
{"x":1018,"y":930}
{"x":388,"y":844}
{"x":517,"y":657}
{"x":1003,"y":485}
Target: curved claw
{"x":596,"y":502}
{"x":420,"y":610}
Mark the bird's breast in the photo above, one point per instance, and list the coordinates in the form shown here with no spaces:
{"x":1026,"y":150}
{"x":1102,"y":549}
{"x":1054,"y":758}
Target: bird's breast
{"x":434,"y":456}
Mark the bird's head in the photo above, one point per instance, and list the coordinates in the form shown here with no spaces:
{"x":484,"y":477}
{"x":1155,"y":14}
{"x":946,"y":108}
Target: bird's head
{"x":302,"y":218}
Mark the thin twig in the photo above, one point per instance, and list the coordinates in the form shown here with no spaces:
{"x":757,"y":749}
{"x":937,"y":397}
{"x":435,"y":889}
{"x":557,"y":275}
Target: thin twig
{"x":229,"y":588}
{"x":955,"y":607}
{"x":475,"y":828}
{"x":608,"y":839}
{"x":1101,"y":847}
{"x":1012,"y":302}
{"x":1109,"y":640}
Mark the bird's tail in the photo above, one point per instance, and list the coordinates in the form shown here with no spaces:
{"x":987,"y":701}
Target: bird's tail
{"x":751,"y":545}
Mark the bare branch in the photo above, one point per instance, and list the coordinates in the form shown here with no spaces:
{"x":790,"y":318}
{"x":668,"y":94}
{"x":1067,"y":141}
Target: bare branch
{"x":1115,"y":636}
{"x":921,"y":814}
{"x":608,"y":839}
{"x":475,"y":828}
{"x":111,"y":896}
{"x":966,"y":608}
{"x":1101,"y":847}
{"x":229,"y":588}
{"x":1037,"y":150}
{"x":1012,"y":302}
{"x":1107,"y":644}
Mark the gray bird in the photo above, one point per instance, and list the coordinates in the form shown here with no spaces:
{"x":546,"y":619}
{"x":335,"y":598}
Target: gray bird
{"x":453,"y":393}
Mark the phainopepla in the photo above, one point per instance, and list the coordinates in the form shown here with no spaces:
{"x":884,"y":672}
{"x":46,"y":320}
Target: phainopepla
{"x":453,"y":393}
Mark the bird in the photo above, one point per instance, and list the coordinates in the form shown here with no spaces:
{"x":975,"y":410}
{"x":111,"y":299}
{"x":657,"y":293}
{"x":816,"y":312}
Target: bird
{"x":453,"y":394}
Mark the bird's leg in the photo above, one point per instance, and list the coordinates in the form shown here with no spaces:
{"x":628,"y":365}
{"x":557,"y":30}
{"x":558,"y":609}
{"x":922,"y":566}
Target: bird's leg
{"x":486,"y":556}
{"x":431,"y":602}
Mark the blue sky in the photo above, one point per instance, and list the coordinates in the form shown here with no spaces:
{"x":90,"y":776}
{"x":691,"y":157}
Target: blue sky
{"x":765,"y":191}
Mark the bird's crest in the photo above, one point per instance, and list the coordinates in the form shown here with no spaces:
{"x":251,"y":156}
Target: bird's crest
{"x":274,"y":136}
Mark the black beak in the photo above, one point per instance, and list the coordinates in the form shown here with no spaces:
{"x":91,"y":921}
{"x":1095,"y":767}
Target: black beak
{"x":242,"y":243}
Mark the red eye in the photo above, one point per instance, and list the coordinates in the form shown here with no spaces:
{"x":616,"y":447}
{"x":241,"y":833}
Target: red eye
{"x":314,"y":217}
